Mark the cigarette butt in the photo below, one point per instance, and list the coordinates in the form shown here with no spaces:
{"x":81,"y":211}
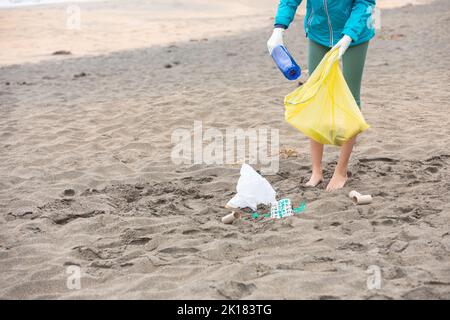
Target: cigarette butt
{"x":229,"y":218}
{"x":362,"y":199}
{"x":354,"y":193}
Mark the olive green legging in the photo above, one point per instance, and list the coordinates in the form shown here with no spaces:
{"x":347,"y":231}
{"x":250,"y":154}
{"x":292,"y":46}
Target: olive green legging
{"x":353,"y":64}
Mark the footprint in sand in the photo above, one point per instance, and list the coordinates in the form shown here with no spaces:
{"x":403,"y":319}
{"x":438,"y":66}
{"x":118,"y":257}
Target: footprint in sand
{"x":353,"y":246}
{"x":432,"y":169}
{"x":398,"y":246}
{"x":392,"y":273}
{"x":421,"y":293}
{"x":69,"y":193}
{"x":446,"y":241}
{"x":178,"y":250}
{"x":234,"y":290}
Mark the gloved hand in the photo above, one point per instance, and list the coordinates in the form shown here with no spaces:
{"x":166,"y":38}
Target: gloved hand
{"x":343,"y":45}
{"x":276,"y":39}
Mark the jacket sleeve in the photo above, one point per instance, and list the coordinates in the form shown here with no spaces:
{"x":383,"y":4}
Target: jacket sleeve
{"x":359,"y":18}
{"x":286,"y":12}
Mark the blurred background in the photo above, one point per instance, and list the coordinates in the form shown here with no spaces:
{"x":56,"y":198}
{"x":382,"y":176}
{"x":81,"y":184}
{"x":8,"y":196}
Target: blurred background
{"x":31,"y":30}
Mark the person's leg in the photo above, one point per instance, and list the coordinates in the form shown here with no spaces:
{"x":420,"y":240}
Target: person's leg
{"x":316,"y":159}
{"x":315,"y":55}
{"x":353,"y":66}
{"x":353,"y":63}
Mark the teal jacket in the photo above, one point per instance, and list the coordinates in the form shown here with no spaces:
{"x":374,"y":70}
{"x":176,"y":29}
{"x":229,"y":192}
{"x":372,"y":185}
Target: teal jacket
{"x":326,"y":21}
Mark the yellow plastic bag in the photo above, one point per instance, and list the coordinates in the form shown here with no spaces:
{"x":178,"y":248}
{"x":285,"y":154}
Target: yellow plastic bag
{"x":324,"y":108}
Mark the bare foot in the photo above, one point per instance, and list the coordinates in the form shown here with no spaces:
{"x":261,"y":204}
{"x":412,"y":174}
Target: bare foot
{"x":315,"y":179}
{"x":337,"y":182}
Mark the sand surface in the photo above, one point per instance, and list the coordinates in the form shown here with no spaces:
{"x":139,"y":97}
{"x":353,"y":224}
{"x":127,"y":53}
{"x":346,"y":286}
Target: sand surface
{"x":86,"y":177}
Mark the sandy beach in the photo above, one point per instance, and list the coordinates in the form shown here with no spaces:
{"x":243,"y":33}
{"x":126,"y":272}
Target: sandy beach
{"x":87,"y":179}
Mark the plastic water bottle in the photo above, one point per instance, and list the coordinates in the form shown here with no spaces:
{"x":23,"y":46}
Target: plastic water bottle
{"x":286,"y":63}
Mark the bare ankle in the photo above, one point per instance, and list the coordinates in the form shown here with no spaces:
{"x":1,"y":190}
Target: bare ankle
{"x":341,"y":171}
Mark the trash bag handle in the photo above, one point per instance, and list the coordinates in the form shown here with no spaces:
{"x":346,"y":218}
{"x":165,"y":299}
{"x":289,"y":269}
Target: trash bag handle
{"x":332,"y":55}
